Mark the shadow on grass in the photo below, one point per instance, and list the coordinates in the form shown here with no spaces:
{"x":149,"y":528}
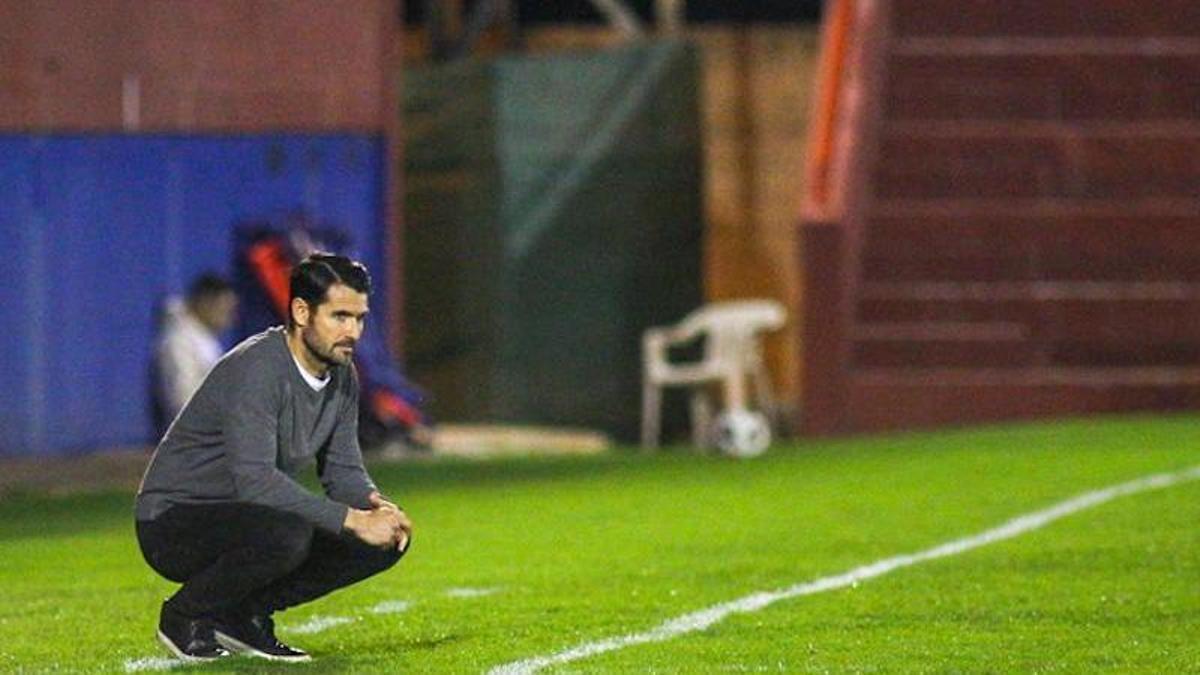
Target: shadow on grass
{"x":41,"y":516}
{"x":332,"y":663}
{"x":340,"y":662}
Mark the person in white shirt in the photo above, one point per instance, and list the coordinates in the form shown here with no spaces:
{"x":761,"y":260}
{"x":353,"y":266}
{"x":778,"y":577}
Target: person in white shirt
{"x":189,"y":343}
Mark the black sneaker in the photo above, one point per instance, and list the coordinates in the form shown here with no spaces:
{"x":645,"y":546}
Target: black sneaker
{"x":188,"y":638}
{"x":255,"y":635}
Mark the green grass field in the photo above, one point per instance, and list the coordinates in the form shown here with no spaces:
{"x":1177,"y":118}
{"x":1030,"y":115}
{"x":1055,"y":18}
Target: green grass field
{"x":523,"y":558}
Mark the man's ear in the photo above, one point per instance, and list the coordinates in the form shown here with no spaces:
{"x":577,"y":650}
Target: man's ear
{"x":299,"y":312}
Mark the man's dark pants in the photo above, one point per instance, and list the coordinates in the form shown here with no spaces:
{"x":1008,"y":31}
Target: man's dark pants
{"x":250,"y":559}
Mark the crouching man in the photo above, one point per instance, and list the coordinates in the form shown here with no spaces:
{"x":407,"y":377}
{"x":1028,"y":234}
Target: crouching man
{"x":219,"y":509}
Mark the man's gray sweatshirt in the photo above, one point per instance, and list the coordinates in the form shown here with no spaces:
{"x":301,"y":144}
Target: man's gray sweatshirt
{"x":250,"y":429}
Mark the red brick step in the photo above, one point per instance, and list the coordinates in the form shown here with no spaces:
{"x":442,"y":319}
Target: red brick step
{"x":947,"y":81}
{"x":888,"y":400}
{"x":1019,"y":18}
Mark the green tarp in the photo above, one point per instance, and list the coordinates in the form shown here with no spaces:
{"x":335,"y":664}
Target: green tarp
{"x":553,"y":212}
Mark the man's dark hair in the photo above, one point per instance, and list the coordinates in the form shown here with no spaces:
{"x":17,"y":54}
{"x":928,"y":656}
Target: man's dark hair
{"x":314,"y":275}
{"x":207,"y":286}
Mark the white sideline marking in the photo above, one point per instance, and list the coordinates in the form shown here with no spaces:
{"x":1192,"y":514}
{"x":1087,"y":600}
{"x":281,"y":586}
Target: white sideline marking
{"x":317,"y":624}
{"x":151,"y":663}
{"x":391,"y":607}
{"x":470,"y":592}
{"x":702,"y":619}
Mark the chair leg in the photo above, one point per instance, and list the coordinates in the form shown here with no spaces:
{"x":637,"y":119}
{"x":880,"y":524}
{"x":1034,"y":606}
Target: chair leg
{"x":735,"y":390}
{"x":651,"y":414}
{"x":701,"y":419}
{"x":765,"y":397}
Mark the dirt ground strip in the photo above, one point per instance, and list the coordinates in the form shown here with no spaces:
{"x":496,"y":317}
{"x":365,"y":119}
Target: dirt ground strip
{"x":122,"y":469}
{"x":99,"y":471}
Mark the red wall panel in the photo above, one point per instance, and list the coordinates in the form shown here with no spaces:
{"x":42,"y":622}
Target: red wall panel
{"x":185,"y":65}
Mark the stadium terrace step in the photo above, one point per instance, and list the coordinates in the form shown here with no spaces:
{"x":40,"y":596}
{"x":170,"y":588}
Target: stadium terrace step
{"x":1061,"y":18}
{"x":1148,"y":313}
{"x":1030,"y":377}
{"x":884,"y":400}
{"x":942,"y":344}
{"x":1002,"y":354}
{"x":1096,"y":291}
{"x":971,"y":208}
{"x":959,"y":331}
{"x":1035,"y":324}
{"x":1081,"y":130}
{"x":1018,"y":232}
{"x":1052,"y":81}
{"x":957,"y":46}
{"x":1033,"y":247}
{"x":1126,"y":351}
{"x":947,"y":353}
{"x":1151,"y":162}
{"x":1033,"y":266}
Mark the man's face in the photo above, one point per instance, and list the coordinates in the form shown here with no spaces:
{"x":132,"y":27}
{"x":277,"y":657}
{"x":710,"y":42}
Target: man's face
{"x":217,"y":312}
{"x":333,"y":329}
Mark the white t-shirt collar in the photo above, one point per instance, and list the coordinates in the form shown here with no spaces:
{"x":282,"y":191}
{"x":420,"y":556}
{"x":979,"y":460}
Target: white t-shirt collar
{"x":313,"y":381}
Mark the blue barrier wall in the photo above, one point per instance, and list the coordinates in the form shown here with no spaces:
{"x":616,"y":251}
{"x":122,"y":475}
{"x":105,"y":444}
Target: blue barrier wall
{"x":98,"y":230}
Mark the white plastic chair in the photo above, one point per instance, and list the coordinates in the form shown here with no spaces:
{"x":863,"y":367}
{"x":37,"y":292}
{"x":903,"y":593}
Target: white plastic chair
{"x":732,"y":354}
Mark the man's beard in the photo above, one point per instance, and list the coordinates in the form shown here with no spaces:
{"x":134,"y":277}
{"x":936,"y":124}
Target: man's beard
{"x":328,"y":357}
